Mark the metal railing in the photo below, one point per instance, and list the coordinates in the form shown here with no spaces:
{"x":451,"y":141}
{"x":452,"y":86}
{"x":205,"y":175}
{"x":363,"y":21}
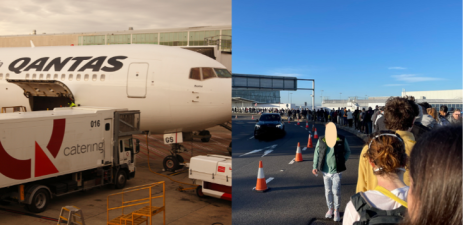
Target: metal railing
{"x":136,"y":216}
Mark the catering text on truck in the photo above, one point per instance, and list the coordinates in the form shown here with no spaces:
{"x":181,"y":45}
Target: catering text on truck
{"x":46,"y":154}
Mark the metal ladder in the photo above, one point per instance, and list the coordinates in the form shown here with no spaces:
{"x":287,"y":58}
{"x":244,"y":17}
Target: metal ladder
{"x":75,"y":216}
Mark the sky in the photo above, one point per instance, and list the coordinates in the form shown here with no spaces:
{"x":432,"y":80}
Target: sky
{"x":71,"y":16}
{"x":362,"y":48}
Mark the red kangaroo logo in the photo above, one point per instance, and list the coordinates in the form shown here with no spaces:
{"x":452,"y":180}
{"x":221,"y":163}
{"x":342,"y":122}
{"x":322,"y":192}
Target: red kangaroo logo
{"x":21,"y":169}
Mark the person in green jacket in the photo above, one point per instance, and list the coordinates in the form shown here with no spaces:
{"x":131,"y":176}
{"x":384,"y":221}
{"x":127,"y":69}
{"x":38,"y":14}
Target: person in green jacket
{"x":331,"y":161}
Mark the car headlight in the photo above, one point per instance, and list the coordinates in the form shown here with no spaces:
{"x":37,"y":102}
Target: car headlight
{"x":257,"y":126}
{"x":279,"y":126}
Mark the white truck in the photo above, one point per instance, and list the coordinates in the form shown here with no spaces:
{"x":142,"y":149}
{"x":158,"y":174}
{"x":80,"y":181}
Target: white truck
{"x":214,"y":172}
{"x":46,"y":154}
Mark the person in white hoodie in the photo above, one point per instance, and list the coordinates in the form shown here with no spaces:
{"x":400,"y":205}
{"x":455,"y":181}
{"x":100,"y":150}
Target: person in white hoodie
{"x":387,"y":156}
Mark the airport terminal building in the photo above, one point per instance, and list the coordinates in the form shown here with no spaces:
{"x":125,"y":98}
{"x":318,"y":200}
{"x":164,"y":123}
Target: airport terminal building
{"x":213,"y":41}
{"x":450,"y":98}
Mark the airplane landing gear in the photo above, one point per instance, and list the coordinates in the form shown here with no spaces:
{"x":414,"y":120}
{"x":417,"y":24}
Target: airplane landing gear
{"x":175,"y":161}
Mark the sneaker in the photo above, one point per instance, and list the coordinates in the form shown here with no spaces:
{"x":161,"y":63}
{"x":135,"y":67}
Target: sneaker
{"x":337,"y":218}
{"x":329,"y":214}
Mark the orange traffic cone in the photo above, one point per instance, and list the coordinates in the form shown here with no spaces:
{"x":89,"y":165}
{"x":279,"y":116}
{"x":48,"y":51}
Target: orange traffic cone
{"x":298,"y":153}
{"x":298,"y":122}
{"x":307,"y":124}
{"x":309,"y":144}
{"x":289,"y":119}
{"x":252,"y":117}
{"x":236,"y":116}
{"x":261,"y":185}
{"x":315,"y":135}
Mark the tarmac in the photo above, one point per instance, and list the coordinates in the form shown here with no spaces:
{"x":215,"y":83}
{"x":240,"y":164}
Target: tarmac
{"x":181,"y":207}
{"x":296,"y":196}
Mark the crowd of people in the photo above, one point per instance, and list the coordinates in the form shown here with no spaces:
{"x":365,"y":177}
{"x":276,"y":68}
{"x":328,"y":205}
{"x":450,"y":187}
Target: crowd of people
{"x":409,"y":171}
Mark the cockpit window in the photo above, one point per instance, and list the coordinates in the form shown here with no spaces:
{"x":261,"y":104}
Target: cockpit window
{"x":208,"y":73}
{"x":195,"y":74}
{"x":223,"y":73}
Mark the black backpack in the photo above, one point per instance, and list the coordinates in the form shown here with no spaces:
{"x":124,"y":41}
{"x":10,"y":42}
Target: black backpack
{"x":373,"y":216}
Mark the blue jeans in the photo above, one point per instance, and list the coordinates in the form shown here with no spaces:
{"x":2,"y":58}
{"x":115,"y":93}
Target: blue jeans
{"x":332,"y":189}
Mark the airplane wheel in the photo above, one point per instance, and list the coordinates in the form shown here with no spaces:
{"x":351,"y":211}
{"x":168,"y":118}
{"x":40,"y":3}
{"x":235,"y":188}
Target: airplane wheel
{"x":170,"y":163}
{"x":180,"y":160}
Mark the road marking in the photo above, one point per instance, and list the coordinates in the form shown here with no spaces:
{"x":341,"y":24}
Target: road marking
{"x":302,"y":126}
{"x":267,"y":181}
{"x":251,"y":138}
{"x":267,"y":152}
{"x":305,"y":148}
{"x":251,"y":152}
{"x":292,"y":161}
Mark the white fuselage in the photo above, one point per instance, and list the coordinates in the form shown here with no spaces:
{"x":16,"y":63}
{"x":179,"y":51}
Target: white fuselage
{"x":168,"y":99}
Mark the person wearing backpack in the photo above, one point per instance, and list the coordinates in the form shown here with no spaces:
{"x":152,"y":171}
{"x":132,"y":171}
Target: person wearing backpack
{"x":386,"y":204}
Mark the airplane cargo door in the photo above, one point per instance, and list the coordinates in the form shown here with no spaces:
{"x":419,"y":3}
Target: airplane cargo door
{"x":136,"y":80}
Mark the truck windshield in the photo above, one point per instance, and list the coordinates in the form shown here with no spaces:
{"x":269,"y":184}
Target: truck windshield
{"x":270,"y":118}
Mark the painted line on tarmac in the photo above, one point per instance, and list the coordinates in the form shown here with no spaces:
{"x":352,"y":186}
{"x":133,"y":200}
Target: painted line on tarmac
{"x":251,"y":138}
{"x":267,"y":152}
{"x":251,"y":152}
{"x":305,"y":148}
{"x":292,"y":161}
{"x":267,"y":181}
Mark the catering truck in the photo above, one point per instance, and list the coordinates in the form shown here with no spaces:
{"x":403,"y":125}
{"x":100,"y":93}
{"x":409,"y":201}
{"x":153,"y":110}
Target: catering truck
{"x":46,"y":154}
{"x":213,"y":174}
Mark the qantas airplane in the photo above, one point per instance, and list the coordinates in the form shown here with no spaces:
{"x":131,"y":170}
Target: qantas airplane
{"x":176,"y":90}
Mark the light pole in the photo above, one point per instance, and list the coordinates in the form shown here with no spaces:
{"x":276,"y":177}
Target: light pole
{"x":321,"y":98}
{"x":291,"y":101}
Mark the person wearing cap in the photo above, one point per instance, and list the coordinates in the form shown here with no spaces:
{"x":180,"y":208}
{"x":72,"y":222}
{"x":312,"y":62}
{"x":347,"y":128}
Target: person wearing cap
{"x":331,"y":161}
{"x":399,"y":115}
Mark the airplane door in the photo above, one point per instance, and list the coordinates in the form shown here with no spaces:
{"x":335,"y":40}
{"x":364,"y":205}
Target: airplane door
{"x":136,"y":80}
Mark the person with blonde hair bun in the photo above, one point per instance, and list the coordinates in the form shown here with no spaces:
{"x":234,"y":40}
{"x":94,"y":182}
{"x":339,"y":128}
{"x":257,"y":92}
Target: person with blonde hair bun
{"x":387,"y":156}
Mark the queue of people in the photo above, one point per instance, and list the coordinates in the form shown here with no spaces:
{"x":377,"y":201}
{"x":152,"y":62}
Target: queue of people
{"x":409,"y":171}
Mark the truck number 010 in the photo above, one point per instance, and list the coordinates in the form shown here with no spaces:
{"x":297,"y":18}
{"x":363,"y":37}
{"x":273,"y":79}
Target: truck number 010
{"x":95,"y":123}
{"x":169,"y":139}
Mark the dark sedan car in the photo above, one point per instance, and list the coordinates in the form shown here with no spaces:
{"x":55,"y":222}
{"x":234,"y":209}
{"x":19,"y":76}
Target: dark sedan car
{"x":269,"y":124}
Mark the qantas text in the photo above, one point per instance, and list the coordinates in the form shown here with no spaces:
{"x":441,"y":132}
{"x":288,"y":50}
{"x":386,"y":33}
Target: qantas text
{"x":42,"y":64}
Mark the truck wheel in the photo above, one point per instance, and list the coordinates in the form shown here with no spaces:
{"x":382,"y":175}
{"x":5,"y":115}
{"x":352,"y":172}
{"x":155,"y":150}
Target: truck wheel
{"x":121,"y":179}
{"x":199,"y":192}
{"x":170,"y":163}
{"x":39,"y":201}
{"x":180,"y":160}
